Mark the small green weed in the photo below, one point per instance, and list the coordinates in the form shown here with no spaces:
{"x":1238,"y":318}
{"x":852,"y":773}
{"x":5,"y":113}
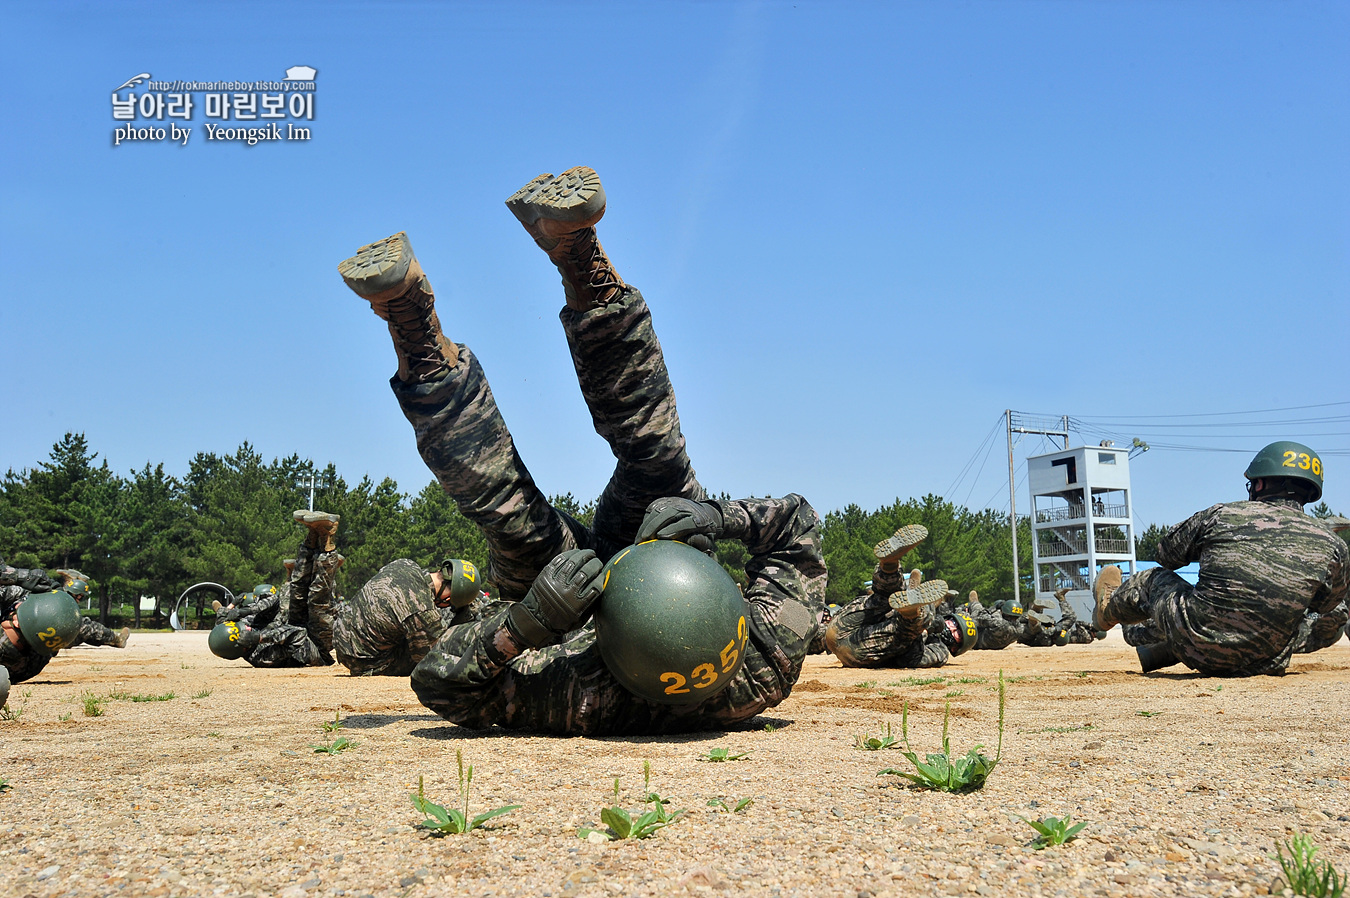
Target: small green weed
{"x":214,"y":735}
{"x":919,"y":681}
{"x":442,"y":821}
{"x":941,"y":771}
{"x":185,"y":666}
{"x":205,"y":693}
{"x":734,"y":808}
{"x":335,"y":724}
{"x":620,"y":824}
{"x":93,"y":704}
{"x":770,"y":728}
{"x":1304,"y":873}
{"x":4,"y":785}
{"x":718,"y":755}
{"x":340,"y":744}
{"x":1053,"y":830}
{"x":954,"y":693}
{"x":964,"y":680}
{"x":95,"y":668}
{"x":1148,"y":713}
{"x":865,"y":742}
{"x":1218,"y":688}
{"x":866,"y":684}
{"x":1080,"y":728}
{"x":63,"y":717}
{"x":123,"y":696}
{"x":1082,"y":675}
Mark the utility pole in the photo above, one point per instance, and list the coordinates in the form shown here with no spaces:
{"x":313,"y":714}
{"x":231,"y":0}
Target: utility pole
{"x":1022,"y":424}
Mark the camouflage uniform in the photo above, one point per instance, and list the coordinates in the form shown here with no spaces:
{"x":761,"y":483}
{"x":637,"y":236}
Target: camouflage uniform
{"x":310,"y":593}
{"x":478,"y":674}
{"x":465,"y":443}
{"x":996,"y":631}
{"x":279,"y":644}
{"x":392,"y":622}
{"x":21,"y":661}
{"x":35,"y":579}
{"x":94,"y":633}
{"x":1264,"y":565}
{"x":869,"y":633}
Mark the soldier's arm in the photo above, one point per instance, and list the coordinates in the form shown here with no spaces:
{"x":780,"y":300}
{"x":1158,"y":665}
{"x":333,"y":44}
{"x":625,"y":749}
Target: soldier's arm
{"x":783,"y":539}
{"x":1180,"y":545}
{"x":263,"y":610}
{"x":33,"y":580}
{"x":455,"y":678}
{"x":422,"y":628}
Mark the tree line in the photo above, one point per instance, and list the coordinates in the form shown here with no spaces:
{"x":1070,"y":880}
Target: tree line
{"x":228,"y":520}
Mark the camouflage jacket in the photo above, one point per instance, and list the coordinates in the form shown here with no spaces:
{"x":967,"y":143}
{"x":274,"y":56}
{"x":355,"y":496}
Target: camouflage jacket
{"x":392,"y":622}
{"x":478,"y":674}
{"x":1263,"y":566}
{"x":35,"y":579}
{"x":279,"y":643}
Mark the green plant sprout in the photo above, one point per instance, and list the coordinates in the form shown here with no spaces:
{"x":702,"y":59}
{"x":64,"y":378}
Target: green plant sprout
{"x":340,"y":744}
{"x":735,"y":808}
{"x":1148,"y":713}
{"x":93,"y":704}
{"x":442,"y":821}
{"x":9,"y":712}
{"x":954,"y":693}
{"x":4,"y":785}
{"x":124,"y":696}
{"x":205,"y":693}
{"x":941,"y":771}
{"x":865,"y":684}
{"x":770,"y":728}
{"x":865,"y":742}
{"x":334,"y":725}
{"x":1053,"y":830}
{"x":718,"y":755}
{"x":63,"y":717}
{"x":1304,"y":873}
{"x":620,"y":824}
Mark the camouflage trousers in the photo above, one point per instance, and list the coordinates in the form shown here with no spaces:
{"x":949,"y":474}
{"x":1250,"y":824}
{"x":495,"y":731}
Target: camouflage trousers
{"x":464,"y":441}
{"x":1325,"y":630}
{"x":94,"y":633}
{"x":1158,"y":599}
{"x":869,"y":633}
{"x":312,"y":590}
{"x":282,"y":645}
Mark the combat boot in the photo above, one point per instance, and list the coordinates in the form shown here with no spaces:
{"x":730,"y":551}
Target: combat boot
{"x":122,"y":638}
{"x":918,"y":595}
{"x":322,"y":536}
{"x":560,"y":213}
{"x":1108,"y":581}
{"x":386,"y":274}
{"x":1156,"y":656}
{"x":890,"y":550}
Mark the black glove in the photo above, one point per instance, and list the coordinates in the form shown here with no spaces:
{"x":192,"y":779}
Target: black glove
{"x":38,"y":581}
{"x":559,"y":599}
{"x":696,"y":523}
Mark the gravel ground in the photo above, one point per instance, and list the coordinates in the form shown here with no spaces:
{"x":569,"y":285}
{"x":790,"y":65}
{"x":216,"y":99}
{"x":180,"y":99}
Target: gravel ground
{"x":1186,"y":784}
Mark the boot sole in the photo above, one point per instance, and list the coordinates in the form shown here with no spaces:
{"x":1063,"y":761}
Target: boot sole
{"x":575,"y":197}
{"x":895,"y":547}
{"x":312,"y":517}
{"x":378,"y":266}
{"x":929,"y":592}
{"x":1102,"y":589}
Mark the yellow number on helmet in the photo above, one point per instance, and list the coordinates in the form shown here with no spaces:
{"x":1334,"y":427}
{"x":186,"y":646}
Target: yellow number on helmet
{"x":468,"y":571}
{"x":1304,"y":462}
{"x":704,"y":676}
{"x":1289,"y":458}
{"x":1317,"y":466}
{"x":676,"y":682}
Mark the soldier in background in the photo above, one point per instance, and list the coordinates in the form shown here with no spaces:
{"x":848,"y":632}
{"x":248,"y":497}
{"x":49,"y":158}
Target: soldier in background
{"x":999,"y":625}
{"x":1269,"y":574}
{"x":34,"y":627}
{"x":895,"y":625}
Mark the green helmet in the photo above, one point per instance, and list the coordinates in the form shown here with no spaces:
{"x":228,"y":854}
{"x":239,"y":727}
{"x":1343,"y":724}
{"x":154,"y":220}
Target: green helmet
{"x":1061,"y":636}
{"x":463,"y":579}
{"x":671,"y":623}
{"x":232,"y":641}
{"x":4,"y":685}
{"x":1010,"y":609}
{"x":1288,"y":459}
{"x":49,"y":621}
{"x":264,"y":589}
{"x":78,"y":590}
{"x":959,"y":633}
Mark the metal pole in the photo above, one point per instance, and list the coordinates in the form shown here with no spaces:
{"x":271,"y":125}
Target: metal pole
{"x":311,"y":489}
{"x":1012,"y":514}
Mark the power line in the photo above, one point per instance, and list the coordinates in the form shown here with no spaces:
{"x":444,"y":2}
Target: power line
{"x":1260,"y":411}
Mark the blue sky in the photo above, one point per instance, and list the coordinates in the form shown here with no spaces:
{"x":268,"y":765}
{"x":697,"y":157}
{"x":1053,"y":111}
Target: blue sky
{"x":864,"y":230}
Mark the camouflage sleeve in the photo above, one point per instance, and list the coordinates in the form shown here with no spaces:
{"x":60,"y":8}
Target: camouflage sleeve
{"x":455,"y":676}
{"x":423,"y":627}
{"x":257,"y":614}
{"x":1180,"y":545}
{"x":783,"y":539}
{"x":35,"y":579}
{"x":1338,"y":583}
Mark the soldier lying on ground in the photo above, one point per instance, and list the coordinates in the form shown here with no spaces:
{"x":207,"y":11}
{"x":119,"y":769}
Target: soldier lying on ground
{"x":1270,"y":576}
{"x":999,"y":625}
{"x":544,"y":562}
{"x":385,"y":629}
{"x":895,"y":625}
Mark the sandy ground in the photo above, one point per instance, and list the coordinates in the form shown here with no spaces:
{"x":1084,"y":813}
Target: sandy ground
{"x":1186,"y":783}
